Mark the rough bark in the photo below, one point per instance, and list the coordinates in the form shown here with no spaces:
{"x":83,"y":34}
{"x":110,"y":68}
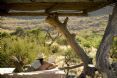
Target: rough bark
{"x":61,"y":27}
{"x":102,"y":56}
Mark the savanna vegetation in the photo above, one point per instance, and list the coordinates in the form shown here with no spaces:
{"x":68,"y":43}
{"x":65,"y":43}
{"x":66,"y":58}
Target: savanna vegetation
{"x":25,"y":45}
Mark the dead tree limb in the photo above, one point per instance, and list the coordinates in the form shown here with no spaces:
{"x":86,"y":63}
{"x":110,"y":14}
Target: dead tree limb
{"x":53,"y":39}
{"x":102,"y":56}
{"x":72,"y":67}
{"x":54,"y":21}
{"x":61,"y":27}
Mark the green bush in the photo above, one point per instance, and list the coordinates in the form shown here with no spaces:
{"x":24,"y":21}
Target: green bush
{"x":19,"y":32}
{"x":114,"y":49}
{"x":16,"y":46}
{"x":25,"y":48}
{"x":71,"y":58}
{"x":62,"y":41}
{"x":4,"y":34}
{"x":92,"y":40}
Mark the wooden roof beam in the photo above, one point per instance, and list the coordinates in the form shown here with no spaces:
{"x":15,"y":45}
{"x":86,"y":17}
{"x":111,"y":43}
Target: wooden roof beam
{"x":90,"y":6}
{"x":49,"y":9}
{"x":40,"y":14}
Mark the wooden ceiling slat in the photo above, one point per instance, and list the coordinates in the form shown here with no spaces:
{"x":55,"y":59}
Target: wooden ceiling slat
{"x":59,"y":6}
{"x":40,"y":14}
{"x":50,"y":6}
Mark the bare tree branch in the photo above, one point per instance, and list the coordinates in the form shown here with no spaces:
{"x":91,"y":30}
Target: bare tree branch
{"x":72,"y":67}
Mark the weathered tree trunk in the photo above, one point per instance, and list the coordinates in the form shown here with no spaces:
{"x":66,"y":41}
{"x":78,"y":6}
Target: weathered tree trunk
{"x":62,"y":27}
{"x":102,"y":56}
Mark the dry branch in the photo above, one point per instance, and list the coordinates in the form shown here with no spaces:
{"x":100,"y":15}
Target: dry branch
{"x":72,"y":67}
{"x":54,"y":21}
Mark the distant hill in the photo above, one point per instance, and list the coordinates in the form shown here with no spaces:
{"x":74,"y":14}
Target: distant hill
{"x":75,"y":24}
{"x":96,"y":22}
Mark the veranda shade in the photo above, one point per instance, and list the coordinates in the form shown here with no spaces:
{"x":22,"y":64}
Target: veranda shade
{"x":44,"y":7}
{"x":23,"y":1}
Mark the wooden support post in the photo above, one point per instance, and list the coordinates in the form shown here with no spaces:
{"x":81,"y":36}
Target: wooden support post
{"x":62,"y":28}
{"x":102,"y":56}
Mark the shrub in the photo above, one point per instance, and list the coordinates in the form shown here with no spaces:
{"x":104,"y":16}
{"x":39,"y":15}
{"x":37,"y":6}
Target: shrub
{"x":19,"y":32}
{"x":114,"y":49}
{"x":92,"y":40}
{"x":4,"y":34}
{"x":62,"y":41}
{"x":71,"y":57}
{"x":24,"y":48}
{"x":16,"y":46}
